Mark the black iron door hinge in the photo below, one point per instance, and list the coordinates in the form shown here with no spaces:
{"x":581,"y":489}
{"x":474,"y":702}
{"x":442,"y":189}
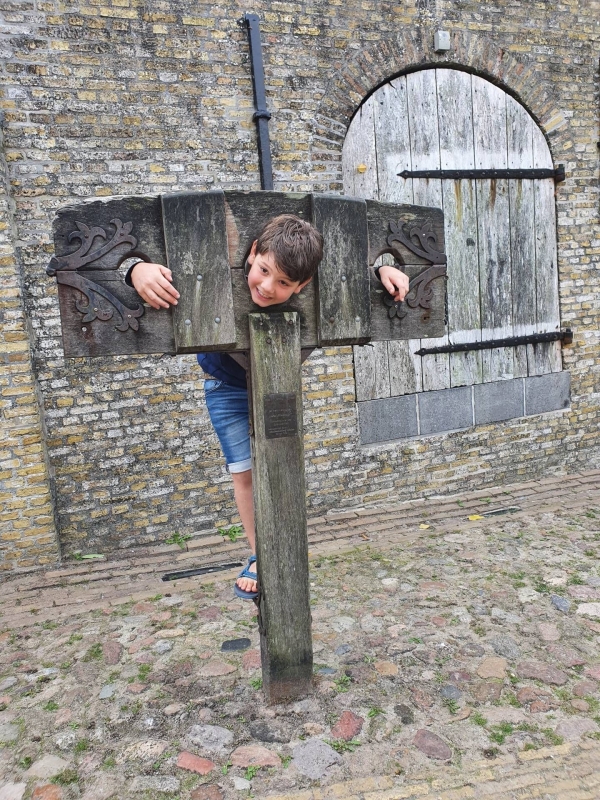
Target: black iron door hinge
{"x":515,"y":174}
{"x":565,"y":336}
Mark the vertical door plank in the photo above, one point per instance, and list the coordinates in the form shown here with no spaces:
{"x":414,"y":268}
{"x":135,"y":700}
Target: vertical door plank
{"x":359,"y":170}
{"x":547,"y":357}
{"x":425,"y":154}
{"x":358,"y":153}
{"x":457,"y":151}
{"x":489,"y":125}
{"x":519,"y":126}
{"x":371,"y":371}
{"x":405,"y":367}
{"x":392,"y":142}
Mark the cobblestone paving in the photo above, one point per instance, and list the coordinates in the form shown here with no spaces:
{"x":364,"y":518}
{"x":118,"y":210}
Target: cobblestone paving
{"x":456,"y":651}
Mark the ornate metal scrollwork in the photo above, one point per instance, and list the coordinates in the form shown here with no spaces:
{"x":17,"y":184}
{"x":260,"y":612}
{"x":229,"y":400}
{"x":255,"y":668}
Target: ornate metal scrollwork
{"x":422,"y":241}
{"x":65,"y":269}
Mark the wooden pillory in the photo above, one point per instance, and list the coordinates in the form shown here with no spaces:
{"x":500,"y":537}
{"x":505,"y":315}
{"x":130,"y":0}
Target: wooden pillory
{"x":205,"y":238}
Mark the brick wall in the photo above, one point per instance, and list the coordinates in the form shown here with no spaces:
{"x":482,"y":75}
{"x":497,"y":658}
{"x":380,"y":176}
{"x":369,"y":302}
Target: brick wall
{"x":27,"y":530}
{"x":128,"y":98}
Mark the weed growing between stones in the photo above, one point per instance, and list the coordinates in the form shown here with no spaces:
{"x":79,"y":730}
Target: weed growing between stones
{"x":233,"y":533}
{"x":179,"y":539}
{"x":342,"y":746}
{"x":66,"y":777}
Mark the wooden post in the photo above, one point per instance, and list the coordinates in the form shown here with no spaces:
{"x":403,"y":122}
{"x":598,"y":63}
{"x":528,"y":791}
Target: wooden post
{"x":280,"y":506}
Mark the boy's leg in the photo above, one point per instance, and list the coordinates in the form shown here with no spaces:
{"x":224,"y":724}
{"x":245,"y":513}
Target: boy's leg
{"x":228,"y":409}
{"x":242,"y":490}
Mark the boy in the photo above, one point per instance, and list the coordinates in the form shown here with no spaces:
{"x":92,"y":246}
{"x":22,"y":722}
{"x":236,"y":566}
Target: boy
{"x":282,"y":261}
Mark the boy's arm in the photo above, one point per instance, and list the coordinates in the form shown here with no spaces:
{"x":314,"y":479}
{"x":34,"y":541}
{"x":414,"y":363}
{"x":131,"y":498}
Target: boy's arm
{"x":154,"y":284}
{"x":395,"y":281}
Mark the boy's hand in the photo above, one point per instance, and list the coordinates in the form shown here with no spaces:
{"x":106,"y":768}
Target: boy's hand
{"x":154,"y":284}
{"x":394,"y":281}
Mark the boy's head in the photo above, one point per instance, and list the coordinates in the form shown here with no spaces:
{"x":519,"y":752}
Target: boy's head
{"x":283,"y":259}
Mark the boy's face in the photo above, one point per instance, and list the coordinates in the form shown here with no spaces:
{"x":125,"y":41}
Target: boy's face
{"x":268,"y":285}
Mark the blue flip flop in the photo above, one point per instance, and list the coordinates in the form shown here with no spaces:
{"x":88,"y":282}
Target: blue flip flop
{"x":245,"y":573}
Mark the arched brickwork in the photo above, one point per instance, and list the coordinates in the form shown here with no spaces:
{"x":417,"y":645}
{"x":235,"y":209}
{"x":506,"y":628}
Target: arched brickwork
{"x":410,"y":50}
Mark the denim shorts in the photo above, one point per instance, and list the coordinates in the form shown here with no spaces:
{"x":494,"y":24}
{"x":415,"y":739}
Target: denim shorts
{"x":228,"y":410}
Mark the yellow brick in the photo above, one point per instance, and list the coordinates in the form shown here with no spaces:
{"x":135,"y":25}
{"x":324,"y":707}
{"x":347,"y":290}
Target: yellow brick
{"x":399,"y":793}
{"x":545,"y":752}
{"x":457,"y":794}
{"x":200,"y":21}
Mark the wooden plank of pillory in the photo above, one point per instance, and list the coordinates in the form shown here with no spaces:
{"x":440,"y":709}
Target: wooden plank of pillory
{"x":98,"y":222}
{"x":280,"y":506}
{"x":344,"y":309}
{"x":196,"y":245}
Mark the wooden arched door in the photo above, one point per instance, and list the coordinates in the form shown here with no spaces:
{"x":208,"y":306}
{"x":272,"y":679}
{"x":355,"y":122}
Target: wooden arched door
{"x":500,"y":234}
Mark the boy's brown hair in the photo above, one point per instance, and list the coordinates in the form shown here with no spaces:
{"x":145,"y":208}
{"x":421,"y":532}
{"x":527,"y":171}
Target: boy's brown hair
{"x":296,"y":246}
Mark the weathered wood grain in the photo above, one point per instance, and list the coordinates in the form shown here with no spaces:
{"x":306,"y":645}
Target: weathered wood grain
{"x":457,"y":151}
{"x":196,"y":245}
{"x":489,"y":124}
{"x":280,"y":506}
{"x":547,"y":357}
{"x":379,"y":217}
{"x":418,"y":322}
{"x":98,"y":337}
{"x":371,"y":371}
{"x":359,"y":164}
{"x":421,"y":91}
{"x":522,"y":230}
{"x":392,"y":142}
{"x":425,"y":154}
{"x":344,"y":309}
{"x":405,"y":367}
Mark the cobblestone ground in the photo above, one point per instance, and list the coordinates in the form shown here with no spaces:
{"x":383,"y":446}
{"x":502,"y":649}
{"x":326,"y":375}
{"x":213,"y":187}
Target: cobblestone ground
{"x":456,"y":651}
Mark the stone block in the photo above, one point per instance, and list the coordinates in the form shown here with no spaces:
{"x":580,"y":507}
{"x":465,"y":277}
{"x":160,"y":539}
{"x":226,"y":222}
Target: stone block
{"x":550,"y":392}
{"x":445,"y":410}
{"x":387,"y":419}
{"x":497,"y":401}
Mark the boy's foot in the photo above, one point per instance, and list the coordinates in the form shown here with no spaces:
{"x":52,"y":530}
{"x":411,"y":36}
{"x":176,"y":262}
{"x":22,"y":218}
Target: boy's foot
{"x":246,"y":585}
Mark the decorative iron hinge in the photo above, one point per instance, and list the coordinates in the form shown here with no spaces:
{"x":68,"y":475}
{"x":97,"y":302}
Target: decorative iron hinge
{"x":565,"y":336}
{"x":422,"y":241}
{"x":457,"y":174}
{"x":101,"y":304}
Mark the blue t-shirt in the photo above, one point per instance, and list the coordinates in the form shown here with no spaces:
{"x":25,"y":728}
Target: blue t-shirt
{"x":224,"y":368}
